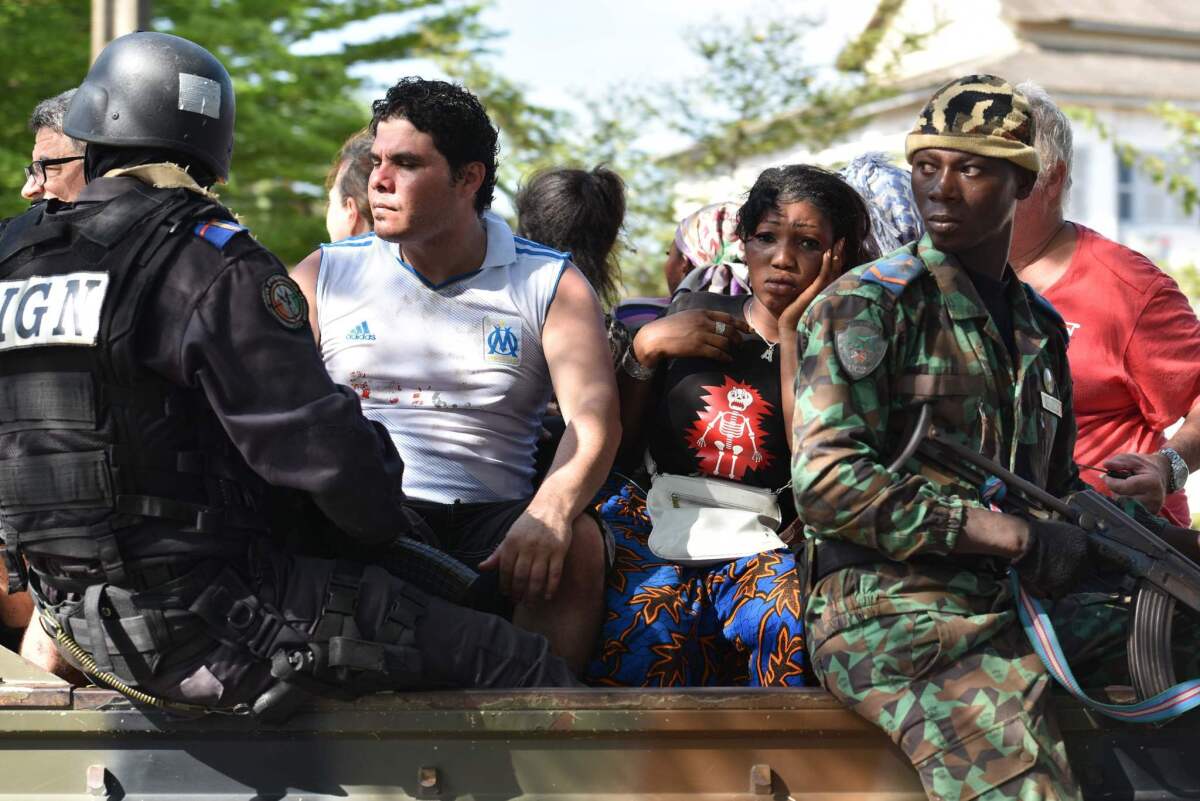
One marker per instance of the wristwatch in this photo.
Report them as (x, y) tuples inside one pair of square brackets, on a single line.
[(1179, 470), (634, 368)]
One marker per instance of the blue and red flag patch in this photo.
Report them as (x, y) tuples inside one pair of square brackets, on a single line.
[(217, 232)]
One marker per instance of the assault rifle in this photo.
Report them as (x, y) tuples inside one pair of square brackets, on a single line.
[(1150, 571)]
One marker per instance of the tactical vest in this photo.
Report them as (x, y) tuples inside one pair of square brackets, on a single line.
[(109, 475)]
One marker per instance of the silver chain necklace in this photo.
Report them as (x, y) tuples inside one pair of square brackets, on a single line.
[(769, 353)]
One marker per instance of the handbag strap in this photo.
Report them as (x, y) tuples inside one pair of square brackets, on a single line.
[(1167, 705), (651, 466), (652, 469)]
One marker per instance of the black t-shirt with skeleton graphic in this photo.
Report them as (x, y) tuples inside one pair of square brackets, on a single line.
[(723, 419)]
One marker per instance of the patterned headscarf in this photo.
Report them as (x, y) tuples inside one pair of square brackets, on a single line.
[(887, 191), (707, 239)]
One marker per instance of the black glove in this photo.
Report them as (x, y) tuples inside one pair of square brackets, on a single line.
[(1058, 557)]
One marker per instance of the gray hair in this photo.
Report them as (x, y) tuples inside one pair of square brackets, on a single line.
[(49, 114), (1053, 139)]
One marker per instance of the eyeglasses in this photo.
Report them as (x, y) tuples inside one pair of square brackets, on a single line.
[(36, 170)]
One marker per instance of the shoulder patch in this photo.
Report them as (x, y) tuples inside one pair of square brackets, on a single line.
[(860, 348), (1036, 300), (284, 301), (894, 272), (218, 232)]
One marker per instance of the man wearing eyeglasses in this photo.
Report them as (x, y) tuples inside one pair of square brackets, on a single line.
[(57, 167), (55, 172)]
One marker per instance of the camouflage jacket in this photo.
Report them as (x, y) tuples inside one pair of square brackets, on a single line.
[(886, 338)]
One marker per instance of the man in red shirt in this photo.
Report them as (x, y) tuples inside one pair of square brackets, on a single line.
[(1135, 340)]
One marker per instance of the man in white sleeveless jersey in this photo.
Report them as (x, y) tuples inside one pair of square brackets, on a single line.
[(455, 334)]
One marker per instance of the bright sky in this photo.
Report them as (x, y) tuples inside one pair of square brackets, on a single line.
[(559, 52)]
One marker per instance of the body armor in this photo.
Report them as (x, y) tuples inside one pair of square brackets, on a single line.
[(113, 482)]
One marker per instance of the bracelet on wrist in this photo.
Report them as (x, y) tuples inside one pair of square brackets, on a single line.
[(635, 369)]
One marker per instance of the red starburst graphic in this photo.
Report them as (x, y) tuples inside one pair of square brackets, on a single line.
[(728, 437)]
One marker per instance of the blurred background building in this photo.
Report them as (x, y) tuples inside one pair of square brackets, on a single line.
[(1110, 63)]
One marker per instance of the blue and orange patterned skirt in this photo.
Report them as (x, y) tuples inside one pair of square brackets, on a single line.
[(731, 624)]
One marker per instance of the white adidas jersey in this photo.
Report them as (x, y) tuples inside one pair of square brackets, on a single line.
[(455, 372)]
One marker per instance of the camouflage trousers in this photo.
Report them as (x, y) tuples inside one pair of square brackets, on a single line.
[(943, 667)]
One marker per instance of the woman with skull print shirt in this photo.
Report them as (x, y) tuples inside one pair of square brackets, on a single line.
[(712, 384)]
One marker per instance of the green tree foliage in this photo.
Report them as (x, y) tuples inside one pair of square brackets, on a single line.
[(294, 107), (609, 132), (46, 53), (755, 95), (297, 104), (531, 137)]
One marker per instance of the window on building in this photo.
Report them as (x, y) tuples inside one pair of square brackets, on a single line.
[(1125, 190), (1142, 201), (1077, 199)]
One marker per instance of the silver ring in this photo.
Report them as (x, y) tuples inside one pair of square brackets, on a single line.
[(720, 326)]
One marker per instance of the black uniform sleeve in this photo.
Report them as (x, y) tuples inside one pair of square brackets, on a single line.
[(210, 327)]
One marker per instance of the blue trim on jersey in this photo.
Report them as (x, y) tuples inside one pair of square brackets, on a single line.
[(553, 255), (429, 284), (554, 291), (360, 241), (538, 246)]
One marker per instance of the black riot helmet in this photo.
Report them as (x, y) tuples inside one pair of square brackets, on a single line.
[(155, 90)]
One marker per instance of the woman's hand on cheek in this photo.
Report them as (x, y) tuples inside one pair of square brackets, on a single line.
[(831, 267), (695, 333)]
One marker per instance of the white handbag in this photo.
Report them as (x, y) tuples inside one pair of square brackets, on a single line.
[(702, 521)]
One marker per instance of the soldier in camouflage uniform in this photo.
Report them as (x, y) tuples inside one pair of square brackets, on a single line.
[(911, 620)]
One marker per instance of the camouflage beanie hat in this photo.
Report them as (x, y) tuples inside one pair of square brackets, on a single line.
[(979, 114)]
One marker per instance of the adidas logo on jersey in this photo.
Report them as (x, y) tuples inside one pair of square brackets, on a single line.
[(360, 333)]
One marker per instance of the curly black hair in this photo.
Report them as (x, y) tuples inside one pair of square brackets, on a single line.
[(579, 211), (454, 118), (825, 190)]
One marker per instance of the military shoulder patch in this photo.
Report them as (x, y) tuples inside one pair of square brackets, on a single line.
[(894, 272), (285, 301), (217, 232), (860, 348)]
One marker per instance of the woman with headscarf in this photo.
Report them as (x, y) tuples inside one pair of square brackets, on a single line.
[(707, 253), (887, 191)]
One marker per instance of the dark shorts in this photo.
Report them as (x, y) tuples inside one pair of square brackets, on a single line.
[(470, 532)]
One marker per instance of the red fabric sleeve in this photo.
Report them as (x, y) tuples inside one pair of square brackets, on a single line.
[(1162, 359)]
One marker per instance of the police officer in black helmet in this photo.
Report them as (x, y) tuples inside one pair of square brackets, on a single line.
[(156, 373)]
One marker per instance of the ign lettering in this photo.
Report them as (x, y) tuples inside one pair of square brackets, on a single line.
[(51, 311)]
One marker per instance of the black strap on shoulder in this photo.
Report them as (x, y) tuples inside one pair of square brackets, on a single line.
[(158, 246), (29, 229), (119, 216)]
